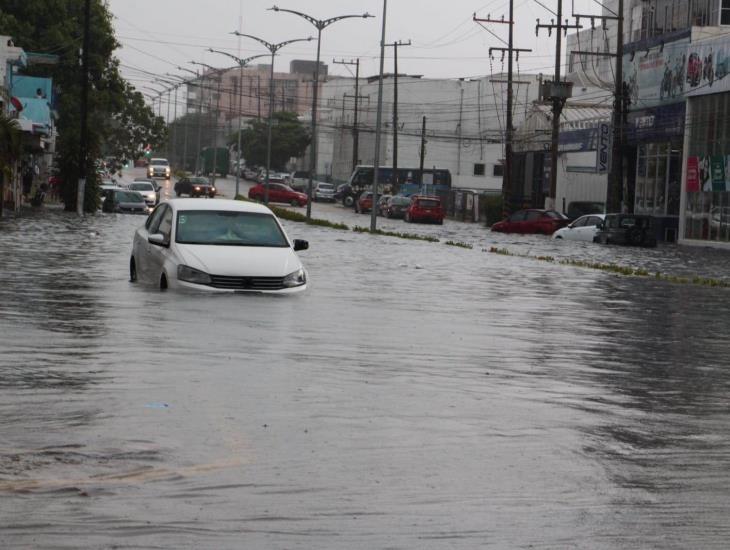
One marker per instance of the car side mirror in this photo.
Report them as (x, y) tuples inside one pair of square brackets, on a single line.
[(158, 239), (300, 244)]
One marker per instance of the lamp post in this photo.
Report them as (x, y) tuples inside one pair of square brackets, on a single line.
[(185, 146), (215, 128), (273, 48), (378, 121), (241, 64), (320, 25)]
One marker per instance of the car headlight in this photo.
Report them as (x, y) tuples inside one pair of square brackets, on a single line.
[(298, 278), (212, 189), (191, 275), (197, 188)]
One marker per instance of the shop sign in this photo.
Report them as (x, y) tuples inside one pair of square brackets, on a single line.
[(693, 175), (708, 66), (717, 167), (603, 150)]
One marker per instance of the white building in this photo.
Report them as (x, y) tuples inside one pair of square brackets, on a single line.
[(464, 125)]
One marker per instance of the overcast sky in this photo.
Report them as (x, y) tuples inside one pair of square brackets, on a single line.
[(158, 35)]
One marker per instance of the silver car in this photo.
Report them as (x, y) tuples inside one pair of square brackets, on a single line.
[(146, 189), (324, 192)]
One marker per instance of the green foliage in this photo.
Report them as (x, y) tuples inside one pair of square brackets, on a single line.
[(119, 122), (492, 206), (459, 244), (183, 138), (289, 138), (411, 236), (620, 269)]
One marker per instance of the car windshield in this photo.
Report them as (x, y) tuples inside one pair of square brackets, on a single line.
[(158, 162), (428, 203), (141, 186), (129, 196), (325, 187), (555, 215), (199, 181), (400, 201), (227, 228)]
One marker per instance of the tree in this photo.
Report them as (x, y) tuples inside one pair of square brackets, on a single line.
[(119, 122), (10, 139), (289, 138)]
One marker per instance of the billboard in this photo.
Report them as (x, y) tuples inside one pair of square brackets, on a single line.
[(657, 75)]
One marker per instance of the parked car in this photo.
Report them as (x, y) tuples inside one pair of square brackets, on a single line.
[(124, 202), (146, 189), (324, 192), (222, 245), (195, 186), (627, 229), (300, 180), (425, 209), (364, 202), (582, 229), (576, 209), (532, 220), (396, 206), (278, 192), (158, 168)]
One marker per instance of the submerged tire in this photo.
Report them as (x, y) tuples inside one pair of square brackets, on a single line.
[(132, 270), (163, 282)]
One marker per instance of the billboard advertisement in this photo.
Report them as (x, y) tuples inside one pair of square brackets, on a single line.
[(657, 75)]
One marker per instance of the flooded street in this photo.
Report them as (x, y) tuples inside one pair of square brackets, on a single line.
[(416, 396)]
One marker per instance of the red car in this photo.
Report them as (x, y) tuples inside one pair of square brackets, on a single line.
[(364, 203), (278, 192), (532, 220), (425, 209)]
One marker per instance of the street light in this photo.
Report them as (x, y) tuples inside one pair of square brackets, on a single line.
[(273, 48), (319, 24), (241, 64), (215, 130)]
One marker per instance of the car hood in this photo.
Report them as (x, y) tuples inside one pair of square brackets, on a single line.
[(254, 261)]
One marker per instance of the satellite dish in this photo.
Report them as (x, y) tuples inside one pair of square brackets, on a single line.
[(16, 103)]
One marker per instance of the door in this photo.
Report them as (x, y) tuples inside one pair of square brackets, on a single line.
[(157, 254)]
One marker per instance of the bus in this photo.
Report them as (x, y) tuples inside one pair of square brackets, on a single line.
[(436, 181)]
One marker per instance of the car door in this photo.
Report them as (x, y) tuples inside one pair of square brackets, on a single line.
[(515, 222), (533, 223), (157, 254), (141, 244), (572, 232), (589, 228)]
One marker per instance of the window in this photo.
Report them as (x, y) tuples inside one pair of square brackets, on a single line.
[(479, 169), (518, 216), (725, 12), (533, 215), (498, 170), (580, 222), (166, 224)]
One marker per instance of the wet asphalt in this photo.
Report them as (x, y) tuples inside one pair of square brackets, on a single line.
[(418, 395)]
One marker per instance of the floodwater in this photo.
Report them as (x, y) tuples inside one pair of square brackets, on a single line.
[(417, 396)]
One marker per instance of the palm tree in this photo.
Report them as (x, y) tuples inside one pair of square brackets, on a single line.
[(10, 150)]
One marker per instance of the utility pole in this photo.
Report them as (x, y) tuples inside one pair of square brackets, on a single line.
[(423, 151), (615, 187), (378, 125), (395, 45), (558, 92), (81, 188), (355, 131), (508, 190)]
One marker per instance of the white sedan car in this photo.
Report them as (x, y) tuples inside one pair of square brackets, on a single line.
[(582, 229), (218, 245)]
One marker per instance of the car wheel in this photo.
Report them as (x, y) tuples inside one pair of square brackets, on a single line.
[(294, 203), (132, 270), (178, 193), (348, 201), (163, 282)]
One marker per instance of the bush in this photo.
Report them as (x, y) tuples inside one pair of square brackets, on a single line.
[(492, 207)]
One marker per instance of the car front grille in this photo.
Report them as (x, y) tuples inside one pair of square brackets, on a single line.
[(246, 283)]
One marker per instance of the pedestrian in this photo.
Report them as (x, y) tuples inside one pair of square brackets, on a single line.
[(27, 175)]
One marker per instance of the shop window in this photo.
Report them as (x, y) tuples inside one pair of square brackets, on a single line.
[(479, 169), (725, 12)]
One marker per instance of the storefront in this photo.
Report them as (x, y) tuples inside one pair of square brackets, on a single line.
[(705, 200), (657, 83)]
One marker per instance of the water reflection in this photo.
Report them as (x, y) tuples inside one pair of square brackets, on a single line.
[(416, 394)]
